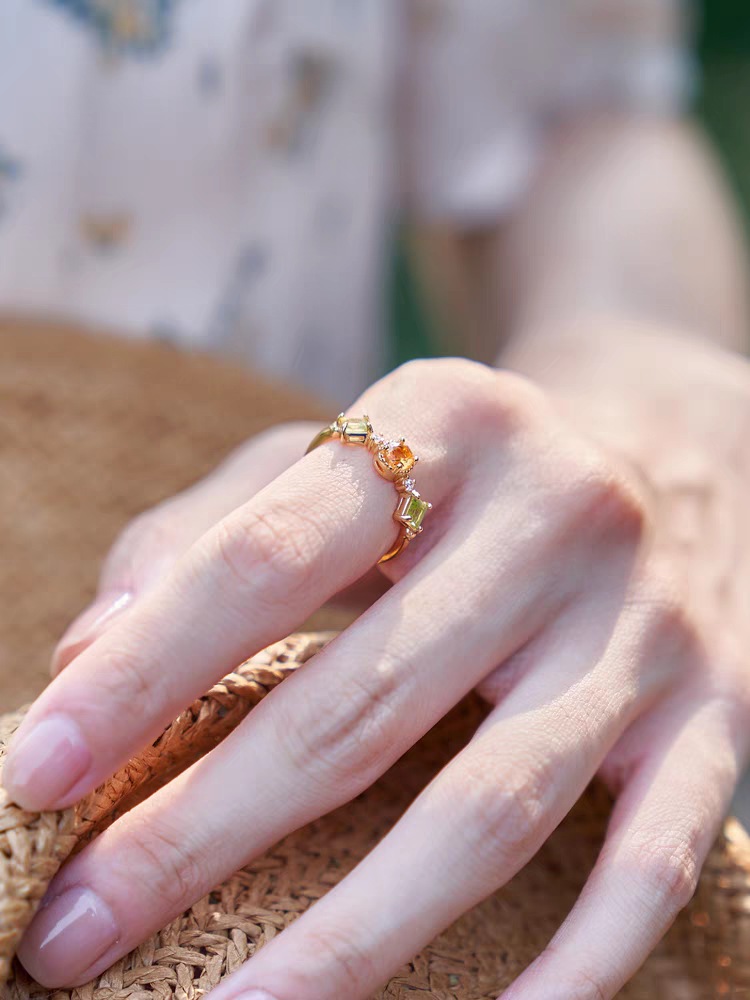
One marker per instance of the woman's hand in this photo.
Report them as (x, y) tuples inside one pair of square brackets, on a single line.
[(585, 565)]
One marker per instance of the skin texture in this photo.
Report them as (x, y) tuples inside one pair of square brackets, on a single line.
[(587, 545)]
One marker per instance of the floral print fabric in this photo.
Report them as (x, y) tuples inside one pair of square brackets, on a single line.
[(225, 173)]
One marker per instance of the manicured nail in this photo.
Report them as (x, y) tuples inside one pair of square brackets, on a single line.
[(66, 937), (46, 763), (87, 626), (254, 995)]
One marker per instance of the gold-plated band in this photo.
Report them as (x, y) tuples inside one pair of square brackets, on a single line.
[(394, 460)]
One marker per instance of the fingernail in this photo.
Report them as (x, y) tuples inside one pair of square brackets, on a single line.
[(254, 995), (87, 626), (66, 937), (46, 763)]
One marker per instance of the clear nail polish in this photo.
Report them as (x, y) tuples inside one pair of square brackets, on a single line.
[(254, 995), (67, 936), (45, 763)]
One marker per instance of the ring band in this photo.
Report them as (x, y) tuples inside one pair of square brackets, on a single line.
[(394, 460)]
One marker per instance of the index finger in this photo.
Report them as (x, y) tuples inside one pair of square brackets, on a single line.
[(247, 582)]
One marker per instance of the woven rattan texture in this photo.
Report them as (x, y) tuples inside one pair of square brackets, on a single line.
[(41, 842), (706, 954), (91, 432)]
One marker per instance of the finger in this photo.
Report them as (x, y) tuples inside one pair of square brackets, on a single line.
[(471, 830), (493, 586), (269, 564), (246, 583), (325, 751), (660, 833), (151, 545)]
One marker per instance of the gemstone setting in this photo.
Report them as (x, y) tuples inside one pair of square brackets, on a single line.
[(354, 430), (411, 511), (395, 459)]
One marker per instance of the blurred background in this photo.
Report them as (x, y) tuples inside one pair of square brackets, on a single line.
[(723, 100), (722, 104)]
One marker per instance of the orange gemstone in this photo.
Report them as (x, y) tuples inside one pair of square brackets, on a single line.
[(399, 457)]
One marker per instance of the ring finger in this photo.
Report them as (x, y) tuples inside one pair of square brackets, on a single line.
[(324, 753), (246, 583)]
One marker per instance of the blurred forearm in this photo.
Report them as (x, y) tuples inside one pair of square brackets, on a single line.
[(628, 220)]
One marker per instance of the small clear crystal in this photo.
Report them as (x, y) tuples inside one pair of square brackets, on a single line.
[(409, 484)]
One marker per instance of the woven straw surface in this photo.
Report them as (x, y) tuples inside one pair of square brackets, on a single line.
[(80, 422)]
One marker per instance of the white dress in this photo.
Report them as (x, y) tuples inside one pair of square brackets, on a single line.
[(226, 173)]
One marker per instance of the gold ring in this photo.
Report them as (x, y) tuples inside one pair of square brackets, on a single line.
[(394, 460)]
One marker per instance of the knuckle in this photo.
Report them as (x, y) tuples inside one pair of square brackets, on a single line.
[(607, 503), (342, 745), (260, 548), (668, 870), (346, 963), (584, 986), (433, 372), (501, 818), (125, 683), (161, 859), (496, 401), (513, 395), (668, 627), (501, 404)]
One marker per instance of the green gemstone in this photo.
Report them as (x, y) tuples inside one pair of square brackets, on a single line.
[(355, 430), (414, 511)]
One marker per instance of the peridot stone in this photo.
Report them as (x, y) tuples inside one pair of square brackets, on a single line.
[(413, 512)]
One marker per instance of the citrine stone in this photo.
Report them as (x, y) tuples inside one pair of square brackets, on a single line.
[(355, 430), (401, 455), (412, 511), (397, 457)]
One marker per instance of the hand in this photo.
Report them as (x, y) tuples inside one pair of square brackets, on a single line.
[(150, 545), (583, 565)]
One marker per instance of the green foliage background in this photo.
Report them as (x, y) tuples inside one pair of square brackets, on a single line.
[(723, 103)]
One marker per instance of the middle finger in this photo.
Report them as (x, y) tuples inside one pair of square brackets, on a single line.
[(325, 751)]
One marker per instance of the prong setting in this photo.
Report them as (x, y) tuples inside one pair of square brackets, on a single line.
[(394, 461)]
